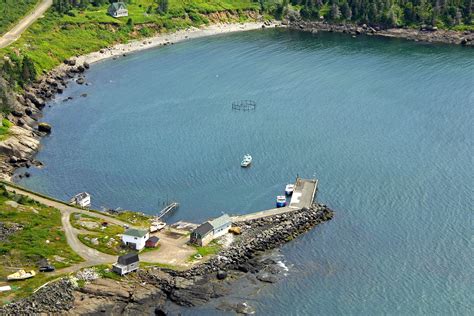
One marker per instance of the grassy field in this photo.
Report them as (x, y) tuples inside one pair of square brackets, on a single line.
[(4, 129), (211, 249), (12, 11), (40, 237), (54, 38)]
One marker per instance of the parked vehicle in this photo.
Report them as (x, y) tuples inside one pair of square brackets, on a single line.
[(48, 268)]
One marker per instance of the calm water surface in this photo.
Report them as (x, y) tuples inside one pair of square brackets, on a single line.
[(386, 125)]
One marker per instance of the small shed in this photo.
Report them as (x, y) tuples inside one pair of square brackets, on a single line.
[(135, 238), (152, 242), (126, 264), (82, 199), (221, 225), (118, 9)]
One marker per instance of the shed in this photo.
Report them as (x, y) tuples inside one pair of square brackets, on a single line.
[(152, 242), (135, 238), (221, 225), (202, 235), (126, 264), (118, 9)]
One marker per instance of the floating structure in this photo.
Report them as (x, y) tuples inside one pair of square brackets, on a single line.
[(289, 189), (21, 275), (126, 264), (135, 238), (281, 201), (82, 199), (246, 161), (244, 105), (210, 230)]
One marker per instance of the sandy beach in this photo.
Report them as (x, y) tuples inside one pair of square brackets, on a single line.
[(170, 38)]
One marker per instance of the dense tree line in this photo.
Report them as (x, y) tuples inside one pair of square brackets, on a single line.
[(389, 12), (64, 6)]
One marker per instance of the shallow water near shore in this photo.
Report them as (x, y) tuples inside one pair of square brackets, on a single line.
[(385, 124)]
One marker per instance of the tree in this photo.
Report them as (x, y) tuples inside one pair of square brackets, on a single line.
[(346, 11), (334, 13), (28, 71), (162, 6)]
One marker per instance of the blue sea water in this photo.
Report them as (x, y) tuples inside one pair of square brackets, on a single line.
[(386, 125)]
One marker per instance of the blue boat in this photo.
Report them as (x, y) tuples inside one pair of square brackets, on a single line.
[(281, 201)]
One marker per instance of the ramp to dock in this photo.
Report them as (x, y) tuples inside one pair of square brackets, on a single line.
[(303, 196)]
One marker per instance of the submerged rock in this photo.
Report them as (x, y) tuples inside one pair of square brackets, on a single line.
[(44, 127)]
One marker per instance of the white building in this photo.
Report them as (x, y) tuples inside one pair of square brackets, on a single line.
[(82, 199), (135, 238), (118, 9)]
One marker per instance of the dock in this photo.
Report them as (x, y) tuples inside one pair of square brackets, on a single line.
[(303, 196), (169, 208)]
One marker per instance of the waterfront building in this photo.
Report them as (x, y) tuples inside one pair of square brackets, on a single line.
[(126, 264), (135, 238), (118, 9), (210, 230), (82, 199)]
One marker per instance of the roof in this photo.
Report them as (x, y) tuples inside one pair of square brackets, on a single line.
[(129, 258), (135, 232), (203, 229), (82, 195), (117, 6), (153, 239), (220, 221)]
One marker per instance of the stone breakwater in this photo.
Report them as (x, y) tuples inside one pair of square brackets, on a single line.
[(424, 34), (154, 287)]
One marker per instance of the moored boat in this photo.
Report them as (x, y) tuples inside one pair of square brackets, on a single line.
[(281, 201), (289, 189), (246, 161), (21, 275)]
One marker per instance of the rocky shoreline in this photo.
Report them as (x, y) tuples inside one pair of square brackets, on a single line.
[(150, 289), (424, 34), (21, 147)]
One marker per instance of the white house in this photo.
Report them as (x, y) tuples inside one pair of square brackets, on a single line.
[(118, 9), (135, 238), (82, 199)]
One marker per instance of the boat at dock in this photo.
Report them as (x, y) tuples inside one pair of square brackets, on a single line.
[(21, 275), (289, 189), (246, 161), (281, 201)]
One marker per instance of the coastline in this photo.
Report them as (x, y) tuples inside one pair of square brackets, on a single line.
[(19, 149)]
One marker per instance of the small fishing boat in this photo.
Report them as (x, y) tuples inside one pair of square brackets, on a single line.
[(21, 275), (246, 161), (289, 189), (281, 201)]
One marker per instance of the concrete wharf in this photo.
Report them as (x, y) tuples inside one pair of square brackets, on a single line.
[(303, 196)]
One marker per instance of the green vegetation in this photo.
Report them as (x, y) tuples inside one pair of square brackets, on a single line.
[(39, 237), (456, 14), (105, 271), (4, 129), (104, 243), (161, 265), (12, 11), (134, 218), (211, 249), (94, 224)]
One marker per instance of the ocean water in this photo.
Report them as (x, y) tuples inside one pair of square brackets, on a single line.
[(386, 125)]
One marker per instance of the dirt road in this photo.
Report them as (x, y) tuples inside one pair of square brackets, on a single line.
[(24, 23)]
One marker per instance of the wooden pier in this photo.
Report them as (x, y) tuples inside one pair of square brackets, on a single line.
[(170, 207), (303, 196)]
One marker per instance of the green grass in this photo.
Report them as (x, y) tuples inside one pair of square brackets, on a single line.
[(105, 271), (110, 230), (146, 265), (11, 11), (54, 38), (114, 248), (26, 247), (4, 129), (211, 249), (134, 218)]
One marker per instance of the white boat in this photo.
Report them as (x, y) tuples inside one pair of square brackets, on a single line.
[(289, 189), (246, 161), (281, 201), (157, 226), (21, 275)]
